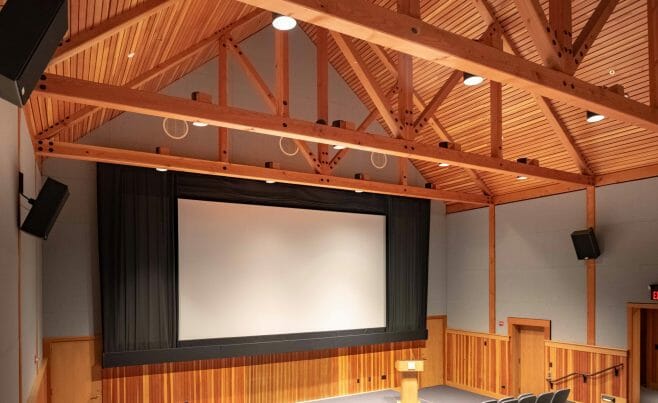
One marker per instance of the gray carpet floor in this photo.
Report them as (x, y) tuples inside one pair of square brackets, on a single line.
[(436, 394), (648, 395)]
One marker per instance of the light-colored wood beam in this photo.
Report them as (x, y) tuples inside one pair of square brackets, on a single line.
[(184, 164), (591, 30), (492, 269), (222, 97), (544, 36), (563, 134), (405, 77), (361, 19), (250, 24), (322, 88), (86, 39), (124, 99), (559, 17), (652, 21), (282, 72), (496, 105), (254, 77), (590, 264), (367, 80), (438, 99)]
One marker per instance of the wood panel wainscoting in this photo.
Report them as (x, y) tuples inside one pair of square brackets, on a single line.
[(565, 358), (477, 362), (286, 377), (39, 392)]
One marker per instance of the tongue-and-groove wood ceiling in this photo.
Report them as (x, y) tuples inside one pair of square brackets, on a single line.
[(619, 55)]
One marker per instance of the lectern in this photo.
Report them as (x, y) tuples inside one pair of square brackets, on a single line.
[(409, 382)]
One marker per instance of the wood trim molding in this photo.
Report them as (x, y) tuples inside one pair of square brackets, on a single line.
[(477, 334), (591, 269), (363, 20), (543, 323), (587, 348), (154, 104), (39, 392), (492, 269)]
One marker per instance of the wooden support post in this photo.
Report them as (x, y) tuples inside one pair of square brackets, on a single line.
[(496, 106), (492, 268), (591, 270), (405, 77), (222, 98), (559, 15), (403, 169), (322, 78), (652, 11), (282, 72)]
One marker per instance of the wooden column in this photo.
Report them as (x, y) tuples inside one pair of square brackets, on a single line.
[(496, 106), (322, 78), (652, 10), (282, 72), (222, 97), (559, 14), (591, 270), (492, 269)]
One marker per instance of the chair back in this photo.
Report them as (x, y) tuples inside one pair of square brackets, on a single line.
[(527, 398), (546, 397), (561, 396)]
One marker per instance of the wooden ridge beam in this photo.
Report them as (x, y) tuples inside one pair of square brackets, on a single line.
[(368, 81), (542, 33), (363, 20), (591, 30), (163, 67), (154, 104), (192, 165), (107, 28)]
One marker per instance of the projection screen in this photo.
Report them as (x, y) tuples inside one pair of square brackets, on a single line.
[(252, 270)]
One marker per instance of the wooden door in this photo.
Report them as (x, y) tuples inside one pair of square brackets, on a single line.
[(433, 353), (530, 363), (74, 370)]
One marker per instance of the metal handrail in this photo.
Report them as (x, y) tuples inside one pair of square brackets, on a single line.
[(585, 376)]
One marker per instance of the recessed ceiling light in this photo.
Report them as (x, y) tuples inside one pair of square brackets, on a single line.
[(593, 117), (521, 177), (339, 147), (283, 22), (358, 191), (612, 72), (472, 79), (443, 164), (199, 124), (161, 169), (270, 181), (131, 55)]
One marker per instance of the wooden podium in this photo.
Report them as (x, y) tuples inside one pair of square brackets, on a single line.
[(409, 382)]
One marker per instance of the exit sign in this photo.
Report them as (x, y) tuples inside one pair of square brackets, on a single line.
[(654, 292)]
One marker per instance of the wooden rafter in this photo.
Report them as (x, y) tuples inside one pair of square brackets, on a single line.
[(432, 121), (154, 104), (543, 35), (496, 105), (437, 100), (591, 30), (361, 19), (183, 164), (254, 77), (367, 80), (107, 28), (544, 104)]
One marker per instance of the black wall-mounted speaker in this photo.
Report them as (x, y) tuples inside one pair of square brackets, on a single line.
[(30, 31), (46, 208), (585, 244)]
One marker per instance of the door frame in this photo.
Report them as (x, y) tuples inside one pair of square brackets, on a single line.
[(634, 347), (513, 325)]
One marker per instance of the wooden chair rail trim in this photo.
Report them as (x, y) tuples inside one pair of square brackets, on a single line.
[(477, 334), (587, 348)]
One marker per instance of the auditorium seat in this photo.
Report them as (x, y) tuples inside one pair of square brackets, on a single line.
[(527, 398), (561, 396), (546, 397)]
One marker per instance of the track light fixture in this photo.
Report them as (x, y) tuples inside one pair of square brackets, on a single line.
[(283, 22), (472, 79), (593, 117)]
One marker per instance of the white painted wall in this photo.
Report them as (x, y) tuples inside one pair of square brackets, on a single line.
[(537, 273), (20, 257), (71, 279)]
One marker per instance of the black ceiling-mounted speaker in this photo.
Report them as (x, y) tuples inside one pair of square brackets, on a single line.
[(46, 208), (585, 244), (30, 31)]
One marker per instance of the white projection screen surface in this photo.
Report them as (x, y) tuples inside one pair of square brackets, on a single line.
[(252, 270)]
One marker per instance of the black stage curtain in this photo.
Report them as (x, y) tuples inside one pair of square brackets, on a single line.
[(137, 237), (138, 241)]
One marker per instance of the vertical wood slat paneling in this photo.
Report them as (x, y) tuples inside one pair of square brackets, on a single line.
[(286, 377), (563, 359), (477, 362), (650, 348)]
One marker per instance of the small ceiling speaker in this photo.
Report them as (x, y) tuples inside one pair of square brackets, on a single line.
[(585, 244), (30, 31)]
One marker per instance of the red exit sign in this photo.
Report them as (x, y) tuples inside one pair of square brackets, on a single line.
[(654, 292)]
